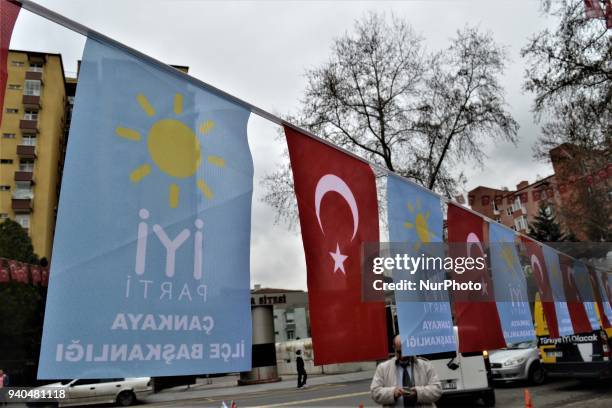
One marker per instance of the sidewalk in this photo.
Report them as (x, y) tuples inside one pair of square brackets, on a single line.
[(227, 386)]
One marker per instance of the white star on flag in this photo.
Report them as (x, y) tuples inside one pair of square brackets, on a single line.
[(484, 289), (338, 259)]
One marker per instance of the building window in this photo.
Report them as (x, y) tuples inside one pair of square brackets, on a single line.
[(23, 220), (30, 115), (36, 67), (520, 223), (8, 135), (26, 165), (11, 110), (5, 188), (509, 211), (28, 140), (6, 161), (14, 86), (290, 335), (495, 208), (23, 190), (32, 87), (17, 63)]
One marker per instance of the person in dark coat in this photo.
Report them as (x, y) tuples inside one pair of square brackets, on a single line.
[(299, 363)]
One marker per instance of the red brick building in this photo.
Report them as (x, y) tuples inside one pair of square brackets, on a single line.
[(575, 174)]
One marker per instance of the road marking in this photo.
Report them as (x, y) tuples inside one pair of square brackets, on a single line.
[(284, 404), (281, 392)]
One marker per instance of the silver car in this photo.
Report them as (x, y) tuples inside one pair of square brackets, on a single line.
[(120, 391), (519, 361)]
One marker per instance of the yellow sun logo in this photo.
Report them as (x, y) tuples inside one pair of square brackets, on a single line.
[(419, 223), (173, 147), (507, 255)]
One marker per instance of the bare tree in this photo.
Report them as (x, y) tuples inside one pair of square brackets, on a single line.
[(385, 97), (570, 74)]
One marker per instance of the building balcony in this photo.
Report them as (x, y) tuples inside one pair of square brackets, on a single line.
[(34, 75), (31, 101), (26, 151), (24, 176), (30, 125), (22, 205)]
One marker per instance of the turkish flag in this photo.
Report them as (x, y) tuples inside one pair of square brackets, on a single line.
[(8, 15), (578, 314), (475, 311), (536, 259), (336, 196)]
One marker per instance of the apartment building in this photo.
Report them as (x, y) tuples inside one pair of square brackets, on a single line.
[(31, 139)]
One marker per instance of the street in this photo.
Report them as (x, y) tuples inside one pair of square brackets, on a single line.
[(555, 393)]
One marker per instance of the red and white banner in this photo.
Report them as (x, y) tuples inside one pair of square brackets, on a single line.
[(8, 15), (338, 210), (477, 318), (540, 273), (575, 305)]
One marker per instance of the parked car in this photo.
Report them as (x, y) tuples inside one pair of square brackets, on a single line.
[(122, 391), (519, 361), (464, 375)]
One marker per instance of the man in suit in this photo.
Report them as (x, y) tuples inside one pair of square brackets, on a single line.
[(405, 381)]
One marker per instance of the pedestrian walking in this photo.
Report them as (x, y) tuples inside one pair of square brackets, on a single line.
[(4, 382), (299, 363)]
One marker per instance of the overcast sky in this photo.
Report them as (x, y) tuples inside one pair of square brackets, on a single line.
[(258, 51)]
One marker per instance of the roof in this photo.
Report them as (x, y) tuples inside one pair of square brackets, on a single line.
[(263, 291)]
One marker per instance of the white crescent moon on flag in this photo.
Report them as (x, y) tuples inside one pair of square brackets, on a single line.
[(472, 239), (535, 261), (330, 182)]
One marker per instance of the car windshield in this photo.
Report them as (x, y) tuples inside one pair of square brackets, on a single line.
[(522, 345)]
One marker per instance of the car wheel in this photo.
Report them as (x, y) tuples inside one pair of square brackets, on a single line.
[(537, 375), (489, 398), (126, 398)]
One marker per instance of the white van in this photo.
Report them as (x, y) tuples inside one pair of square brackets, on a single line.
[(464, 374)]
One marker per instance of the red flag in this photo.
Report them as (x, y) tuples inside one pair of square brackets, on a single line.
[(593, 9), (338, 209), (475, 313), (44, 277), (5, 277), (8, 16), (580, 319), (36, 277), (536, 259)]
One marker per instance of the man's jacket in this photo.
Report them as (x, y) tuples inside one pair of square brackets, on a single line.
[(426, 383)]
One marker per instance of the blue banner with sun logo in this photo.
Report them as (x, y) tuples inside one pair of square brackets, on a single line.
[(150, 267), (415, 229), (510, 286)]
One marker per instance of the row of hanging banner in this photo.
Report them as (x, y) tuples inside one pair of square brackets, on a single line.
[(546, 191), (151, 256), (21, 272)]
